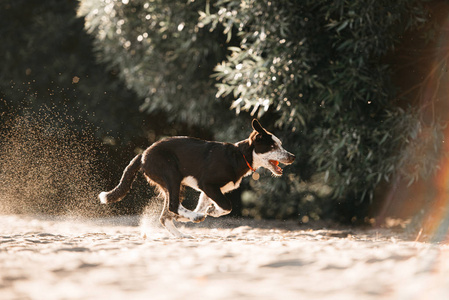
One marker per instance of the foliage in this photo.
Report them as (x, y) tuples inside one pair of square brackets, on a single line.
[(162, 54), (314, 68)]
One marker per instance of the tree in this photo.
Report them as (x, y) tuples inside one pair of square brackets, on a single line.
[(314, 68), (163, 55)]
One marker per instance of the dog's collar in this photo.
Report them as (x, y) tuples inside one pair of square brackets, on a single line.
[(247, 163)]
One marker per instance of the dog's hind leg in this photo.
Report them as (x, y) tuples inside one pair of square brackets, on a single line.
[(182, 214), (166, 220)]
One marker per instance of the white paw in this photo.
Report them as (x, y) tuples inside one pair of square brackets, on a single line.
[(179, 218), (216, 211), (188, 215), (199, 218)]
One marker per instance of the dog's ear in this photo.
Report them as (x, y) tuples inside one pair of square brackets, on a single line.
[(252, 137), (257, 127)]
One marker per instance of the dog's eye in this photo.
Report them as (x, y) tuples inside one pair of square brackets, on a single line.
[(272, 146)]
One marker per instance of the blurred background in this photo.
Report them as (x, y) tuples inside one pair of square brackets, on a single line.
[(358, 90)]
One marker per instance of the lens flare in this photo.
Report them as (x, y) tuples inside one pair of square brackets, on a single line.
[(436, 222), (435, 226), (426, 202)]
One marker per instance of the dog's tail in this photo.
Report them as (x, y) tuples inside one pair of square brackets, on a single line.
[(120, 191)]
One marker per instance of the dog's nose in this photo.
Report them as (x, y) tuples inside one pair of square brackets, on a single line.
[(291, 157)]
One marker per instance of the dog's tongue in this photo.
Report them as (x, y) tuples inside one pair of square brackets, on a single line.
[(275, 163)]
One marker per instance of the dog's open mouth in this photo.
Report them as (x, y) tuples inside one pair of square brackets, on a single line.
[(275, 164)]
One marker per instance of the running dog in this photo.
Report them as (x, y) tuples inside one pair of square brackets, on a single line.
[(213, 168)]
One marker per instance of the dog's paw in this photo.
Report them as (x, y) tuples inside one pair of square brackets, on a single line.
[(216, 212), (210, 210), (179, 218), (199, 218), (213, 211)]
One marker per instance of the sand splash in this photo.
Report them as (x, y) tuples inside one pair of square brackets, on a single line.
[(48, 167)]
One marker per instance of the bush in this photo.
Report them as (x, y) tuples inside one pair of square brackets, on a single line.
[(313, 68), (163, 55), (316, 69)]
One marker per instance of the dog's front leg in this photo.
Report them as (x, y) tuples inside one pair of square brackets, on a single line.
[(166, 220), (221, 205), (203, 204)]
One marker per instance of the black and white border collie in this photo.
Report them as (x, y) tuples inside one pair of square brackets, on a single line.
[(213, 168)]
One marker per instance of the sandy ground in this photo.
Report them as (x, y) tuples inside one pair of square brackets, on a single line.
[(44, 258)]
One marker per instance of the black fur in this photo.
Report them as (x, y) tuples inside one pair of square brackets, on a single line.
[(212, 164)]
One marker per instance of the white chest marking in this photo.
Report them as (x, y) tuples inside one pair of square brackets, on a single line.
[(230, 186), (190, 181)]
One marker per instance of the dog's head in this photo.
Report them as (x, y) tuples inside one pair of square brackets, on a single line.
[(268, 151)]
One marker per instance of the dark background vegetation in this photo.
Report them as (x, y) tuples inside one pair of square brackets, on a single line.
[(335, 80)]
